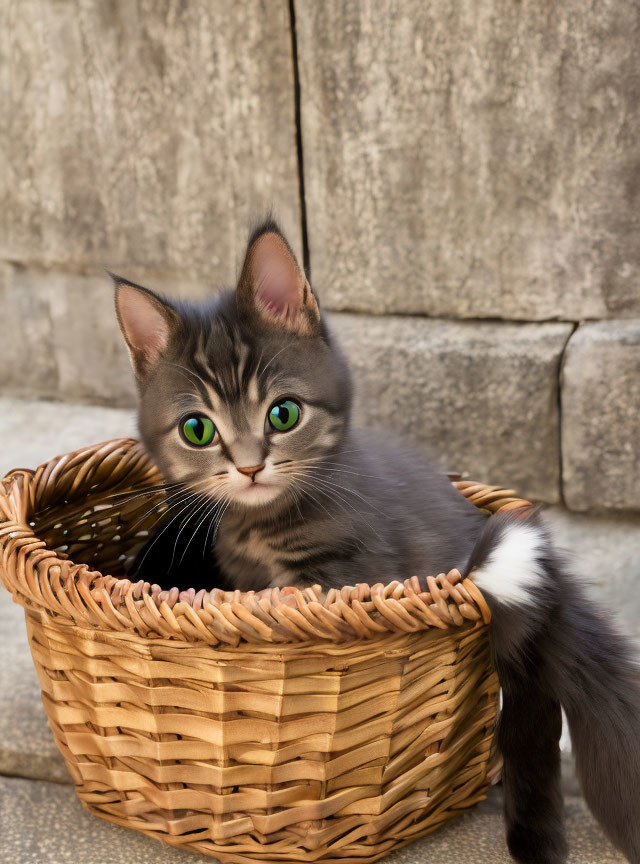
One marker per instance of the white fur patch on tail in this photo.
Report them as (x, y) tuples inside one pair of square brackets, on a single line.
[(513, 570)]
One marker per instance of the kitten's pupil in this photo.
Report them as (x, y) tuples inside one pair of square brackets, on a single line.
[(197, 427)]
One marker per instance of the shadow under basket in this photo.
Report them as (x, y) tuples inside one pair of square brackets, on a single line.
[(285, 725)]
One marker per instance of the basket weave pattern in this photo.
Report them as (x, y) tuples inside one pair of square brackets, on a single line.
[(284, 725)]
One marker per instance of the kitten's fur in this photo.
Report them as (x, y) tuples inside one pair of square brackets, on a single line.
[(324, 503)]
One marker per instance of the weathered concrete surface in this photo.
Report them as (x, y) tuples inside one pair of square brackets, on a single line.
[(43, 823), (145, 134), (477, 159), (480, 397), (32, 431), (27, 748), (601, 417), (59, 337), (604, 552)]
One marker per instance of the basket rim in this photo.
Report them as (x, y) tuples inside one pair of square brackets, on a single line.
[(50, 584)]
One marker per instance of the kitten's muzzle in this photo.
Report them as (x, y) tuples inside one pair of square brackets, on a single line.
[(251, 471)]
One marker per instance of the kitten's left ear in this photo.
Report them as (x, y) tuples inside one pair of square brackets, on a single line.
[(273, 285), (147, 323)]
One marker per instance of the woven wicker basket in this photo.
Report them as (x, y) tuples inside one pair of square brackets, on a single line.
[(281, 726)]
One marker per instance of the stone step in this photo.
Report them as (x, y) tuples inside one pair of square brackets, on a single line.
[(27, 748), (33, 430), (604, 554), (44, 823)]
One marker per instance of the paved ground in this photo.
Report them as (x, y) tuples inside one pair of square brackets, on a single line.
[(32, 431), (41, 822)]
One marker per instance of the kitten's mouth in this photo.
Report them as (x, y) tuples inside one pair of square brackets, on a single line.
[(257, 493), (252, 487)]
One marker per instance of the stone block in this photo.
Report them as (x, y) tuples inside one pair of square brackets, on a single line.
[(144, 134), (604, 554), (601, 417), (481, 397), (26, 350), (59, 336), (477, 159)]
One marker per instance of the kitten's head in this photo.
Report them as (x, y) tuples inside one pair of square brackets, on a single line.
[(239, 397)]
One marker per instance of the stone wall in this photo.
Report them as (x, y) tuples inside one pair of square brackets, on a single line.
[(463, 181)]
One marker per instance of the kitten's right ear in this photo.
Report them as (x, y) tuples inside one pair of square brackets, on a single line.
[(273, 286), (146, 321)]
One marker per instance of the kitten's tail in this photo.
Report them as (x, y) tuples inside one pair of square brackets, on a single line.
[(552, 647)]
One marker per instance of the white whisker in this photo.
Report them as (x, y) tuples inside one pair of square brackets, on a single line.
[(207, 513), (277, 354), (331, 493), (184, 489), (195, 506), (170, 522)]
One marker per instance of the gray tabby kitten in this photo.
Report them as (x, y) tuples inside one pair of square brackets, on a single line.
[(245, 407)]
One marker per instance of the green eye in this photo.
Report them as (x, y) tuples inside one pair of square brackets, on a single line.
[(284, 415), (198, 430)]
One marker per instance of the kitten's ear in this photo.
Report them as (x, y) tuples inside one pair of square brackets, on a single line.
[(273, 285), (146, 321)]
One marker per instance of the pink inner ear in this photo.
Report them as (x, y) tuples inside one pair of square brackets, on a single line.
[(276, 277), (145, 326)]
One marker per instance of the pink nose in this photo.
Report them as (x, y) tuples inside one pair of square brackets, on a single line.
[(251, 471)]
